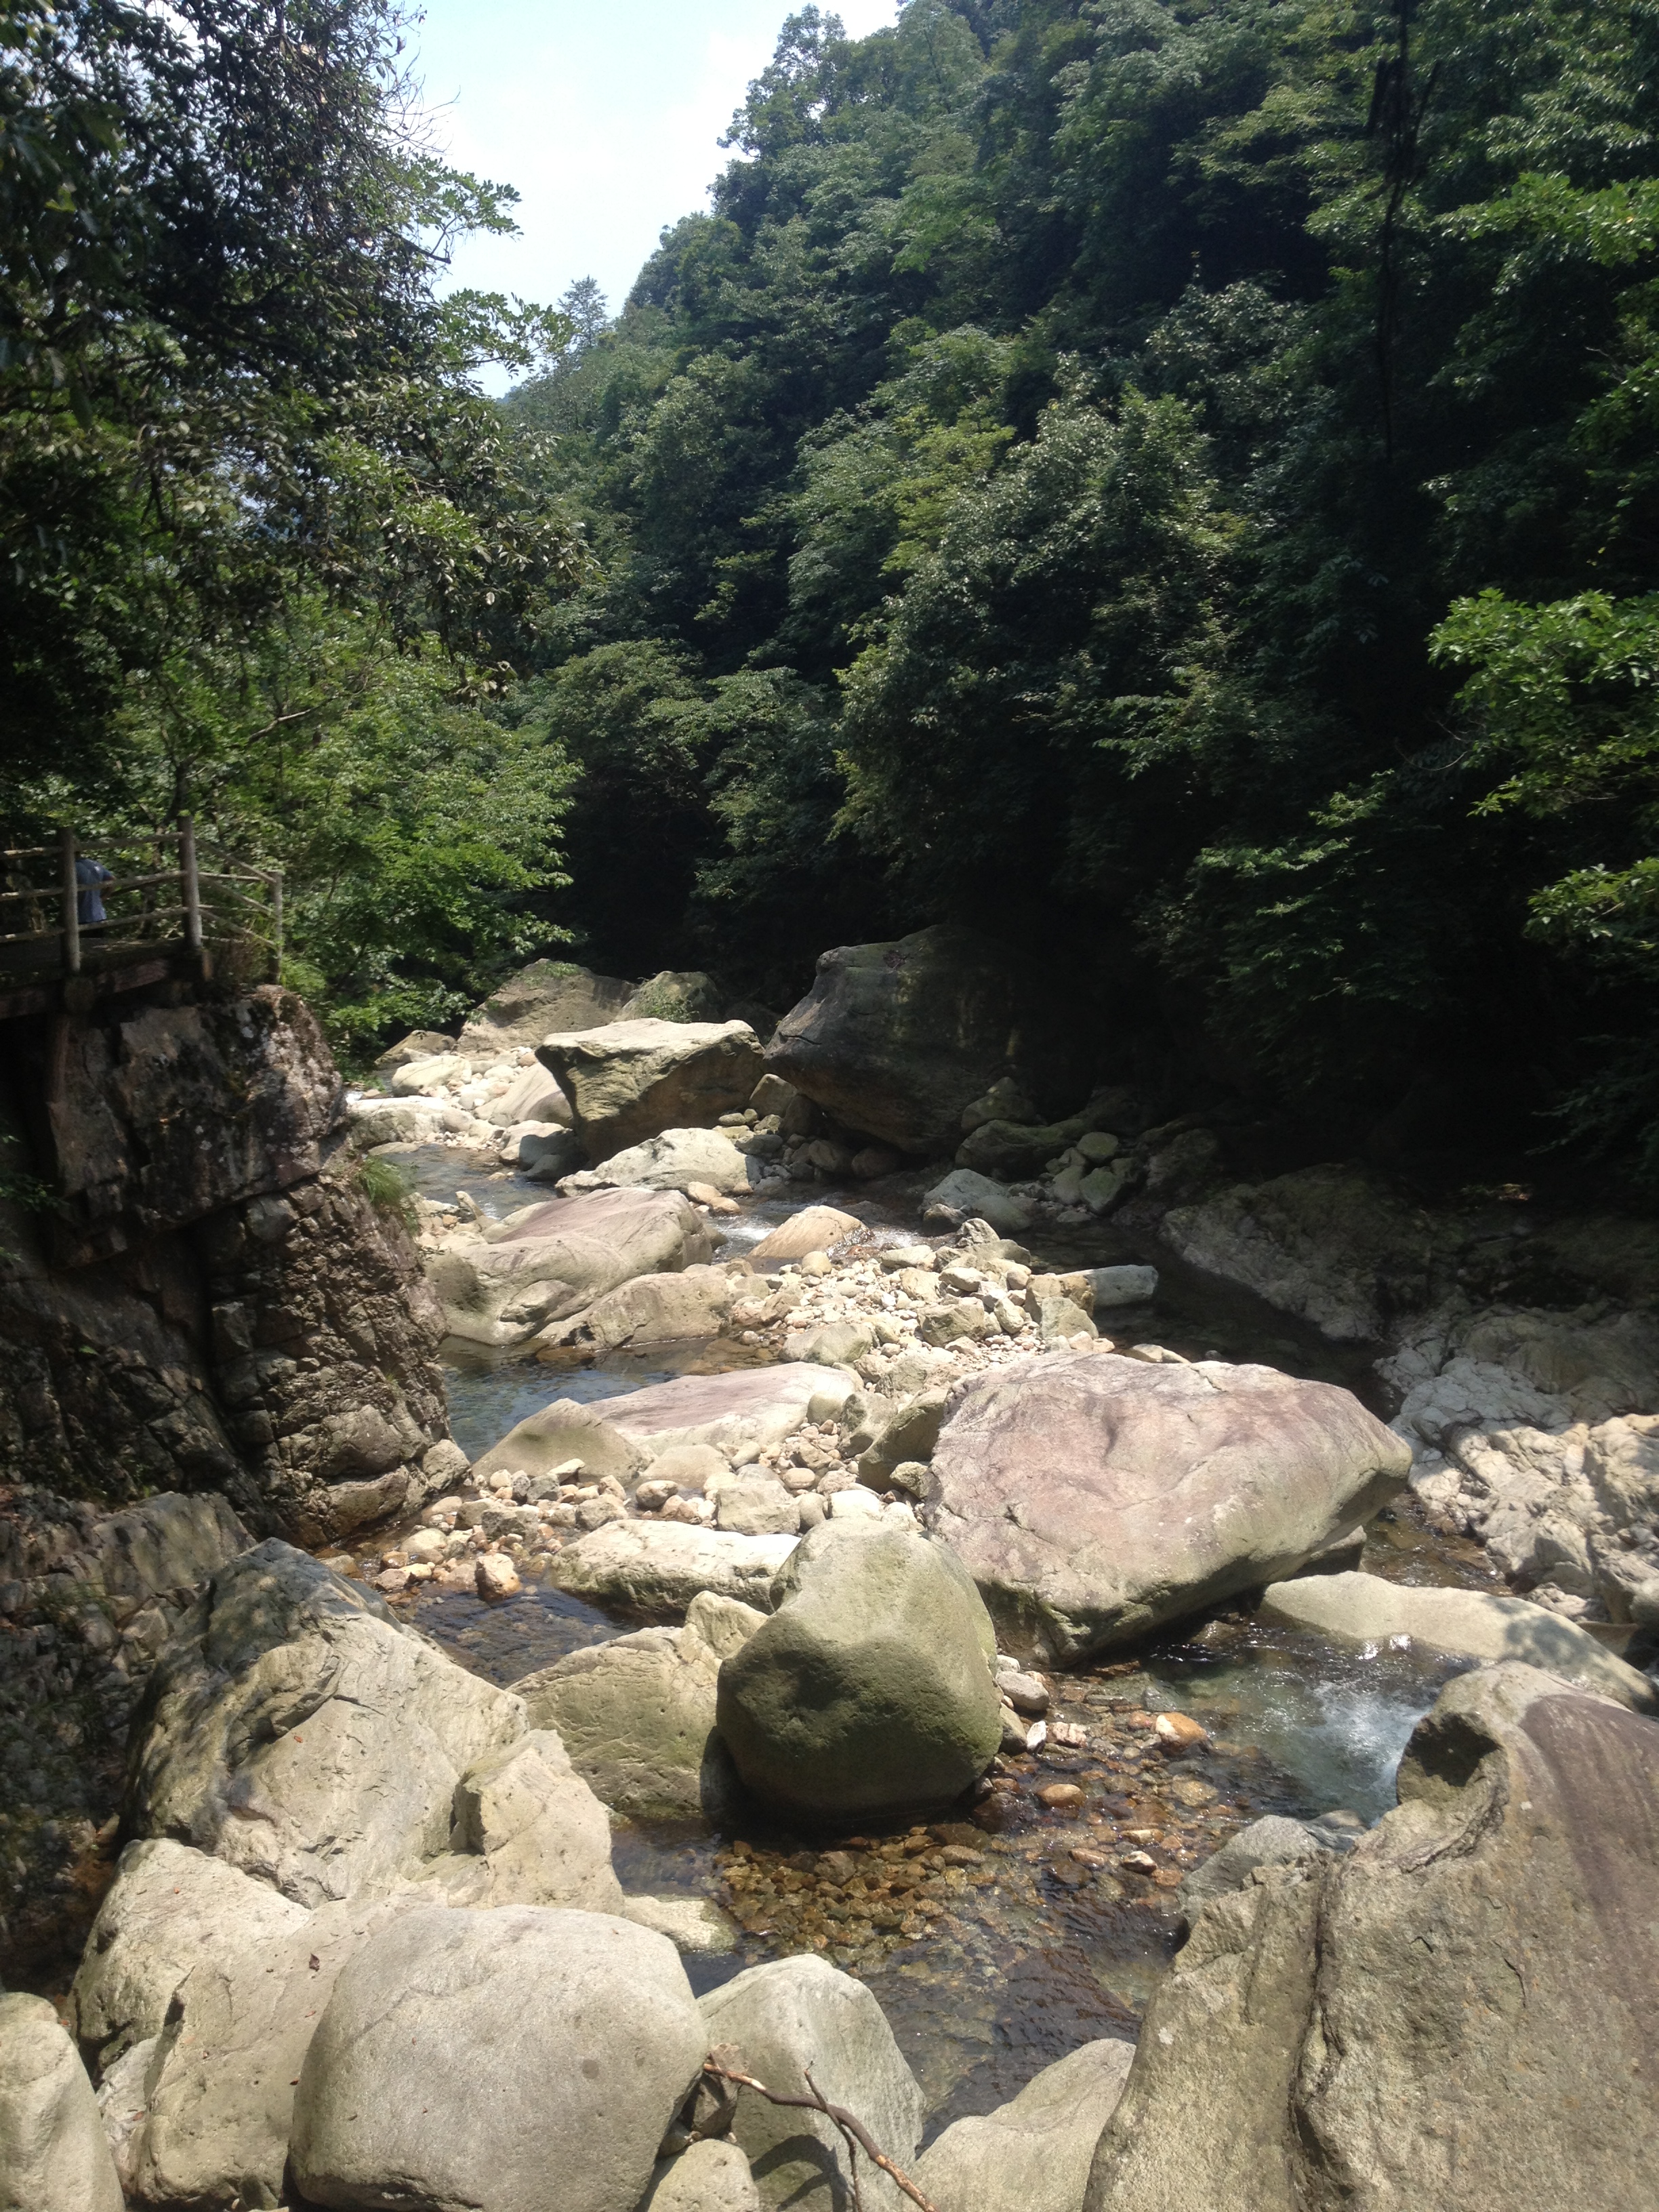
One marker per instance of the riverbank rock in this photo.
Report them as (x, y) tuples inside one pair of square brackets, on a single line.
[(1483, 1960), (684, 994), (526, 1829), (869, 1690), (546, 996), (294, 1729), (550, 1261), (632, 1079), (674, 1160), (636, 1714), (801, 2013), (566, 1428), (53, 2154), (1483, 1624), (660, 1566), (894, 1039), (1033, 2153), (501, 2060), (1093, 1497), (1271, 1841)]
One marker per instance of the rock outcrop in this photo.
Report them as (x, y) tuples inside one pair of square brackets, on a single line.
[(1092, 1498), (503, 2060), (894, 1039), (630, 1080), (1483, 1962), (869, 1690)]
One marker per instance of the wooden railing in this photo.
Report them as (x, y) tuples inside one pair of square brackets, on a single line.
[(164, 890)]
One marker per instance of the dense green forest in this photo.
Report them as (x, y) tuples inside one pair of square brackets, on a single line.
[(1171, 481)]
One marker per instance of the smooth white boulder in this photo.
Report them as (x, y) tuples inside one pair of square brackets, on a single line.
[(53, 2154), (1485, 1625), (661, 1565), (509, 2061)]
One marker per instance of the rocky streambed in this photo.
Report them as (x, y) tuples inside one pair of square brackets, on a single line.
[(1000, 1939)]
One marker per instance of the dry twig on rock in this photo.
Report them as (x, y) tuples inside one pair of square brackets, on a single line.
[(852, 2128)]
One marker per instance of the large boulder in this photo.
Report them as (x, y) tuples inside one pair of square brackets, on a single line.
[(503, 2061), (1467, 1624), (630, 1080), (1032, 2154), (896, 1039), (170, 1909), (674, 1159), (550, 1261), (963, 1191), (1093, 1497), (653, 1310), (548, 995), (814, 1229), (1458, 2012), (797, 2015), (636, 1714), (869, 1690), (294, 1729), (527, 1830), (676, 994), (533, 1096), (660, 1566), (736, 1413), (749, 1407), (170, 1542), (53, 2154), (217, 2086)]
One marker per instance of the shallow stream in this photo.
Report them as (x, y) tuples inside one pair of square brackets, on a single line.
[(996, 1946)]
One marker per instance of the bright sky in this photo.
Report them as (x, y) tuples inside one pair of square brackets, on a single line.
[(603, 113)]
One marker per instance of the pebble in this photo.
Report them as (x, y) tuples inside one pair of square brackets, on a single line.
[(494, 1576), (1179, 1733), (1060, 1796)]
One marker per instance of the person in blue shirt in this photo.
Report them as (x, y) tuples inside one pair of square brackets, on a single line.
[(90, 875)]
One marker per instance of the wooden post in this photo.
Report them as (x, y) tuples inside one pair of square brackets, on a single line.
[(192, 882), (71, 898)]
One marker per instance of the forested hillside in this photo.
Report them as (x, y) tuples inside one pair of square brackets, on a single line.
[(1172, 484), (1174, 481)]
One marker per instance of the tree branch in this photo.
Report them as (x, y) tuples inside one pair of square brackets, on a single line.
[(842, 2117)]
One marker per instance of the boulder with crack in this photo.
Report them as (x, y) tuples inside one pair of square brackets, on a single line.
[(630, 1080), (1093, 1497), (1458, 2012), (293, 1729)]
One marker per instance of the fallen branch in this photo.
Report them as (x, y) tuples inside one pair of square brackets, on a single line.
[(851, 2127)]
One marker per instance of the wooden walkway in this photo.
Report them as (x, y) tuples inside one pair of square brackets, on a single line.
[(168, 902)]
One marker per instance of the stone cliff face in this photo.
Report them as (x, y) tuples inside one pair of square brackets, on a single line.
[(210, 1301)]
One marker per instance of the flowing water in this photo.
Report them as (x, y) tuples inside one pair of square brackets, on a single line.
[(997, 1946)]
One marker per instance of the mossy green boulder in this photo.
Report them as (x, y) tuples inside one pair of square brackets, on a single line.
[(869, 1690)]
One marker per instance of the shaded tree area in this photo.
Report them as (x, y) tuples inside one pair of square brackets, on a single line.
[(267, 556), (1170, 479)]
